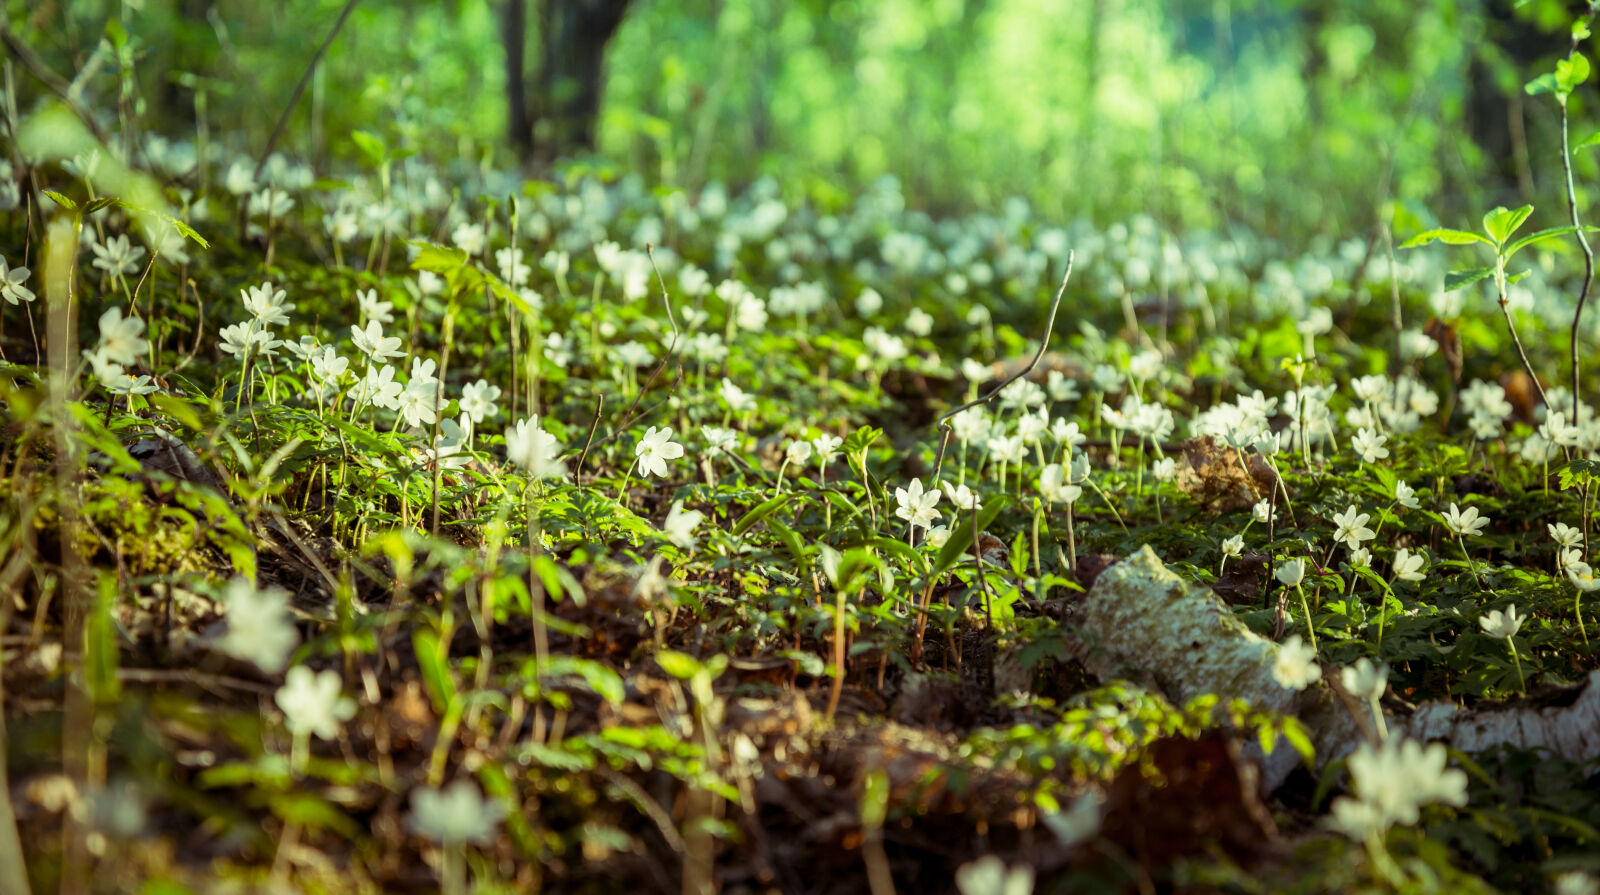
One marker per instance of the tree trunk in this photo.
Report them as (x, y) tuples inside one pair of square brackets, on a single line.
[(555, 111), (515, 32)]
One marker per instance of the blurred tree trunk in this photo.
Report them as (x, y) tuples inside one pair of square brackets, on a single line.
[(554, 110)]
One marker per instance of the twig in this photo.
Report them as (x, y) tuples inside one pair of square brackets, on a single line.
[(294, 100), (1049, 327), (52, 81), (593, 424)]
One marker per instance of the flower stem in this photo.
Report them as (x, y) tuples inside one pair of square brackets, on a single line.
[(1522, 683), (1310, 628)]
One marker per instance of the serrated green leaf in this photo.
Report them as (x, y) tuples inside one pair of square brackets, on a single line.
[(61, 200), (438, 259), (1460, 279), (95, 205), (1501, 222)]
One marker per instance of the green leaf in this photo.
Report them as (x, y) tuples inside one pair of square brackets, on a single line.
[(1441, 234), (1460, 279), (961, 534), (762, 511), (1591, 140), (1571, 72), (435, 666), (97, 204), (792, 541), (438, 259), (680, 665), (371, 146), (1545, 83), (61, 200), (1542, 235), (1501, 222)]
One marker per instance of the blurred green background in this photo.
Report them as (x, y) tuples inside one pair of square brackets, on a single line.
[(1291, 117)]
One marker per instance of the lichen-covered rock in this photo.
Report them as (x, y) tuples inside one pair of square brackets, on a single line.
[(1144, 623)]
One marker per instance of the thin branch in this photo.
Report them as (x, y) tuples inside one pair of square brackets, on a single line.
[(294, 99), (1044, 343), (52, 81)]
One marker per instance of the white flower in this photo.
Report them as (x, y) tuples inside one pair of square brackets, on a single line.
[(327, 365), (655, 449), (240, 178), (962, 497), (119, 383), (1466, 523), (1079, 823), (379, 388), (827, 447), (265, 303), (1576, 882), (1351, 528), (117, 256), (1295, 665), (371, 342), (1370, 445), (1052, 484), (737, 399), (937, 536), (512, 268), (455, 815), (1007, 448), (680, 524), (919, 322), (988, 876), (1164, 469), (419, 403), (798, 451), (1291, 572), (1360, 558), (314, 703), (11, 280), (1408, 565), (1503, 625), (720, 439), (1261, 512), (239, 339), (969, 424), (121, 339), (1392, 782), (468, 238), (1060, 387), (477, 400), (372, 308), (1233, 547), (1564, 535), (632, 354), (869, 302), (915, 505), (1582, 577), (1365, 680), (1068, 434), (1405, 495), (534, 449), (259, 629)]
